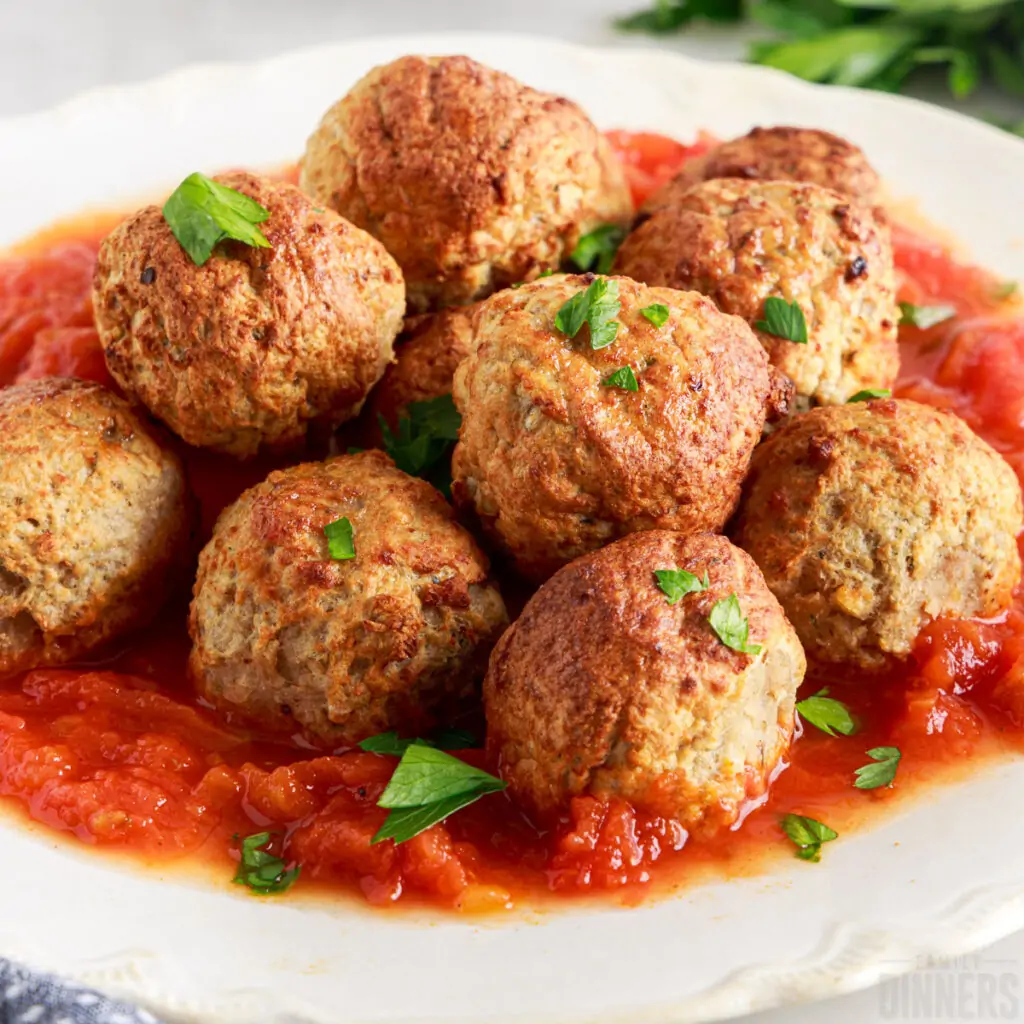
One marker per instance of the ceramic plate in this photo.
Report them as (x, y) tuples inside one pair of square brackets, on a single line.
[(928, 880)]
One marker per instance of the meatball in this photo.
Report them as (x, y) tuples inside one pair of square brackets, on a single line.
[(256, 346), (554, 462), (472, 180), (340, 649), (603, 686), (426, 360), (870, 520), (779, 154), (95, 521), (743, 242)]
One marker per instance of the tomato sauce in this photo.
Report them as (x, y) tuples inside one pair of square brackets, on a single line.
[(120, 755)]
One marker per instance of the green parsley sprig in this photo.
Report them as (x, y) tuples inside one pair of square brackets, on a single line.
[(675, 584), (869, 395), (340, 540), (827, 714), (656, 313), (391, 743), (882, 771), (422, 443), (624, 378), (201, 212), (598, 305), (784, 320), (263, 872), (924, 317), (731, 625), (596, 250), (808, 834)]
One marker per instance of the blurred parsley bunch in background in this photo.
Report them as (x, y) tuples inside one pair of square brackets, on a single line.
[(875, 44)]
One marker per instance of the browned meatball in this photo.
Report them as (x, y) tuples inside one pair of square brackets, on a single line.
[(472, 180), (292, 639), (602, 686), (256, 346), (870, 520), (433, 347), (95, 521), (744, 242), (555, 463), (779, 153)]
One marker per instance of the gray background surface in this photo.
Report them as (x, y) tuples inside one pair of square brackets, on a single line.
[(53, 49)]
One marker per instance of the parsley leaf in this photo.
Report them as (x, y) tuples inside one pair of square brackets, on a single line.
[(868, 394), (924, 317), (201, 213), (422, 443), (731, 626), (784, 320), (426, 787), (808, 834), (882, 772), (827, 714), (339, 539), (656, 313), (598, 247), (671, 15), (262, 871), (624, 378), (675, 584), (597, 306), (1005, 290), (390, 742)]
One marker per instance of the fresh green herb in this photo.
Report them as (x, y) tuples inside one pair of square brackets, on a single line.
[(624, 378), (391, 743), (598, 247), (1005, 290), (731, 626), (675, 584), (671, 15), (868, 394), (656, 313), (201, 213), (597, 305), (260, 870), (784, 320), (882, 772), (426, 787), (339, 539), (827, 714), (808, 834), (421, 446), (924, 316)]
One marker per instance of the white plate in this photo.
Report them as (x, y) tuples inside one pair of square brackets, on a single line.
[(944, 877)]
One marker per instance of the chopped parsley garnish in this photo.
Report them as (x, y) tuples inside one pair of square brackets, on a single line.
[(808, 834), (784, 320), (675, 584), (924, 317), (883, 769), (422, 444), (827, 714), (339, 539), (731, 626), (656, 313), (201, 213), (426, 787), (1005, 290), (868, 394), (598, 247), (624, 378), (597, 305), (391, 743), (261, 871)]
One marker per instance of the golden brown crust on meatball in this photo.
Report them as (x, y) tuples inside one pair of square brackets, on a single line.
[(741, 242), (554, 464), (780, 153), (472, 180), (95, 521), (601, 686), (425, 363), (257, 345), (292, 639), (870, 520)]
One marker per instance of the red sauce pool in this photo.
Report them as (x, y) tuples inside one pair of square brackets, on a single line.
[(119, 755)]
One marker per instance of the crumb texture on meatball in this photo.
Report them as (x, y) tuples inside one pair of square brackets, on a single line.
[(95, 521), (472, 180), (554, 463), (294, 640), (870, 520), (742, 242), (603, 687), (779, 153), (256, 346)]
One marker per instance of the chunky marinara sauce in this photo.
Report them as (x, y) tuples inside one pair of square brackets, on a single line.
[(119, 754)]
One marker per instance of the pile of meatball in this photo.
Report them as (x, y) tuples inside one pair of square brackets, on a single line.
[(422, 255)]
